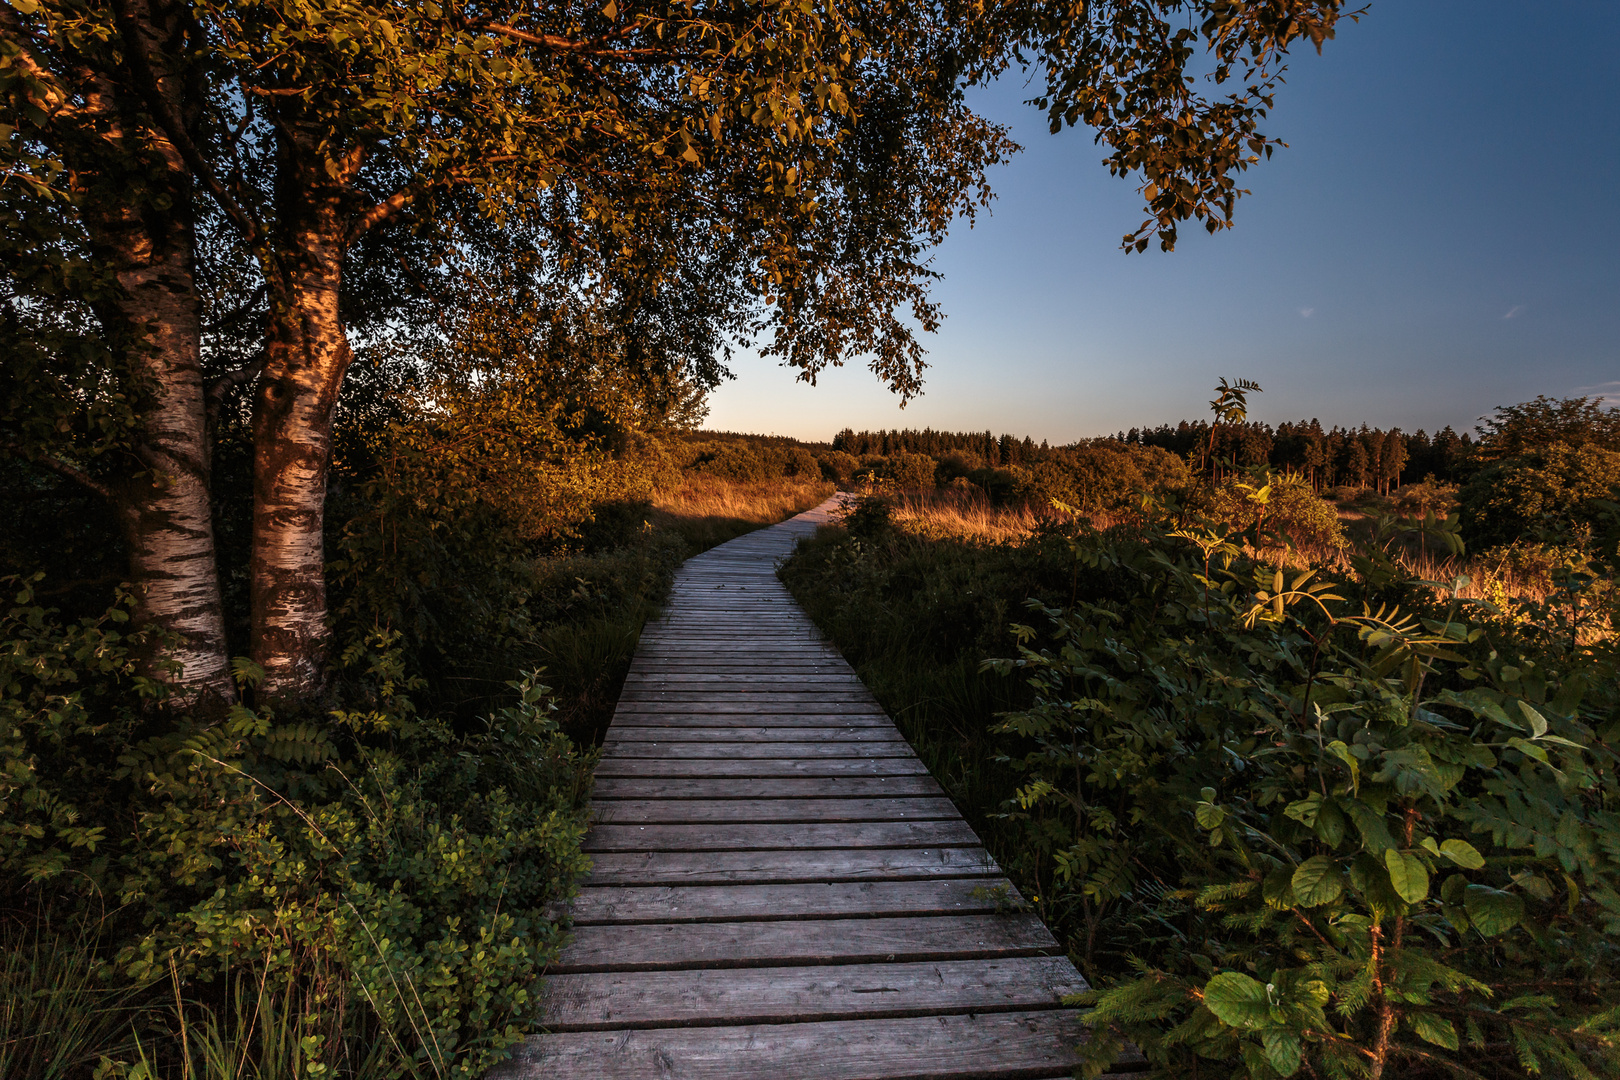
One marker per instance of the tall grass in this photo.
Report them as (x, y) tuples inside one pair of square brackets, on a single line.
[(708, 510), (58, 1013)]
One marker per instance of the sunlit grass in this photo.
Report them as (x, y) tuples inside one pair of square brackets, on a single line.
[(707, 510)]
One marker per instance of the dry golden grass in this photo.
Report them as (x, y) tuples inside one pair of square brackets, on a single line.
[(707, 510), (951, 513)]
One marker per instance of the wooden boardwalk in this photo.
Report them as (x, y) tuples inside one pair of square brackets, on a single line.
[(780, 889)]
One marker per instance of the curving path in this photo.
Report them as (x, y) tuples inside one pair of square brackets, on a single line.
[(780, 889)]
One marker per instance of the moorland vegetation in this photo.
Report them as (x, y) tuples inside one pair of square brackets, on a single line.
[(1319, 786)]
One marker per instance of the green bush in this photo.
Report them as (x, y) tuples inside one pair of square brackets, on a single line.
[(1282, 833), (838, 466), (1336, 839), (1285, 505), (373, 854), (908, 472), (1092, 477), (1552, 490)]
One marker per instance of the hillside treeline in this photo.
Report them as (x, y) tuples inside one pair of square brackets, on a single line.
[(1357, 457)]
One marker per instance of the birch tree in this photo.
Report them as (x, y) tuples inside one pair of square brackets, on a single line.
[(806, 155)]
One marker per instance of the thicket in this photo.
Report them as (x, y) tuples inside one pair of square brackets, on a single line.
[(1288, 822)]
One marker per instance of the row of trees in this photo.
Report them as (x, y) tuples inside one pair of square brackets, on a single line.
[(207, 195), (1361, 457), (983, 447)]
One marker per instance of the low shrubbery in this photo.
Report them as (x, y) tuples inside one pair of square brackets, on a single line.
[(387, 870), (1283, 826)]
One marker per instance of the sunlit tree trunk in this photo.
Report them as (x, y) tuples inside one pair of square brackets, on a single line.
[(306, 356), (147, 240), (164, 506)]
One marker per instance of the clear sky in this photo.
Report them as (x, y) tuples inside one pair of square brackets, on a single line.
[(1441, 236)]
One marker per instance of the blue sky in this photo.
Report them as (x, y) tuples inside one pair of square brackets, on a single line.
[(1441, 236)]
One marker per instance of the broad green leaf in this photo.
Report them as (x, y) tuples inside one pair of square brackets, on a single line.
[(1318, 881), (1492, 910), (1278, 890), (1237, 1000), (1330, 823), (1282, 1051), (1434, 1029), (1463, 854), (1407, 874), (1339, 750), (1529, 749), (1304, 811), (1538, 723)]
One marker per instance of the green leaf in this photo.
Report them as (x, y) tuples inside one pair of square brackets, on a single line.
[(1277, 889), (1538, 723), (1282, 1051), (1407, 874), (1209, 816), (1339, 750), (1318, 881), (1433, 1029), (1492, 910), (1330, 823), (1237, 1000), (1304, 811), (1463, 854)]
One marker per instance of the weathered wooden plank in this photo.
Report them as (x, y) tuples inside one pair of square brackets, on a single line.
[(734, 665), (838, 899), (776, 721), (785, 867), (1020, 1044), (657, 676), (729, 711), (762, 788), (775, 995), (627, 732), (743, 695), (673, 946), (698, 811), (678, 750), (886, 766), (768, 837)]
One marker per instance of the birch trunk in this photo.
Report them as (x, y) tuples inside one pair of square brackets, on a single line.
[(149, 242), (165, 508), (306, 356)]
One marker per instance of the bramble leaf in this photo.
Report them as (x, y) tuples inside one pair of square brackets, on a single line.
[(1407, 874), (1318, 881), (1237, 1000), (1491, 910)]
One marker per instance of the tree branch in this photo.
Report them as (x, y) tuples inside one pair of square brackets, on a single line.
[(219, 387), (169, 120), (63, 469)]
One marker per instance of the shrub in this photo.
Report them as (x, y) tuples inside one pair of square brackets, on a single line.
[(1284, 505), (375, 853), (1553, 490), (908, 471), (838, 466), (1334, 839)]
